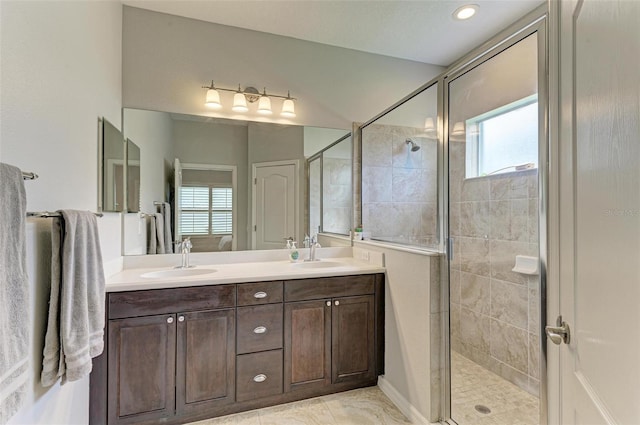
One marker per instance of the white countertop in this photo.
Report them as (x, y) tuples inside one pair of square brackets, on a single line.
[(131, 279)]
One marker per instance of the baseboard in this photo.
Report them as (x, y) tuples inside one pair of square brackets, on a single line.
[(401, 403)]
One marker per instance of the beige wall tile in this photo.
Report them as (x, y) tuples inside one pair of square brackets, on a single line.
[(475, 292), (510, 303), (474, 256), (510, 345)]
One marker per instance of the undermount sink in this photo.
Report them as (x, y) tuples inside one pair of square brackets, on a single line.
[(177, 273), (319, 264)]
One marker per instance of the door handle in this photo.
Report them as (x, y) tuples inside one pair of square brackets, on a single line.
[(559, 333)]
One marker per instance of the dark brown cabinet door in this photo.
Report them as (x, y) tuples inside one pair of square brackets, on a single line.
[(206, 352), (141, 369), (307, 344), (353, 346)]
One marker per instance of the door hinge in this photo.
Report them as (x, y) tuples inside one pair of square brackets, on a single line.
[(255, 180), (559, 333), (255, 228)]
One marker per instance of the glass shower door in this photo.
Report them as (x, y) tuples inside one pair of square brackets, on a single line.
[(493, 141)]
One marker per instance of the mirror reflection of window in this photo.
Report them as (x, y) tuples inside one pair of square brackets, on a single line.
[(206, 209)]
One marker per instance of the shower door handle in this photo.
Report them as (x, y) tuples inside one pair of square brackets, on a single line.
[(560, 333)]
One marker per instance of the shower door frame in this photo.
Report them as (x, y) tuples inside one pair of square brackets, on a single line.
[(534, 22)]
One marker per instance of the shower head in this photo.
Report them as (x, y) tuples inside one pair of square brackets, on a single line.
[(414, 146)]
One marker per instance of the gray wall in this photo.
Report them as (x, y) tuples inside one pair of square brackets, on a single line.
[(166, 60)]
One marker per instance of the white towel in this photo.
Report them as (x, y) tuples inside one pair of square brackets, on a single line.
[(159, 233), (165, 209), (14, 294), (75, 326)]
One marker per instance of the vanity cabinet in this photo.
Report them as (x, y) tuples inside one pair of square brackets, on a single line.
[(185, 354), (330, 340), (141, 380)]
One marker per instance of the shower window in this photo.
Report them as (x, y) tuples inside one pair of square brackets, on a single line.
[(504, 139), (400, 174)]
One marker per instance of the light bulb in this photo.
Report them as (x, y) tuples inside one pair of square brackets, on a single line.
[(465, 12)]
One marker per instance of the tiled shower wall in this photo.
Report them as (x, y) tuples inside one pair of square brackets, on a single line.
[(494, 311), (399, 187)]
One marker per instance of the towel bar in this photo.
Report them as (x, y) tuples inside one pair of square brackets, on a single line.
[(47, 214), (27, 175)]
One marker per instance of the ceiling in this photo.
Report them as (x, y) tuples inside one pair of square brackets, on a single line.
[(419, 30)]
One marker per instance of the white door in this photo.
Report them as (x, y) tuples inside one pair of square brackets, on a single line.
[(599, 203), (275, 204), (177, 184)]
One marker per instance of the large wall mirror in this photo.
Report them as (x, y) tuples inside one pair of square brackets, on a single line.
[(228, 184)]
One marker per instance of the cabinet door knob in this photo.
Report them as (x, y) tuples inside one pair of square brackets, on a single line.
[(169, 319), (260, 378), (260, 295), (328, 303), (260, 330), (180, 318), (337, 303)]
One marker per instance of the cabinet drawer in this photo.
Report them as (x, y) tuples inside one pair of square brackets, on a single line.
[(259, 375), (328, 287), (259, 293), (259, 328), (162, 301)]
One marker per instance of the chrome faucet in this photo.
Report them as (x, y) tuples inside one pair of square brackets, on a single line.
[(185, 249), (313, 244)]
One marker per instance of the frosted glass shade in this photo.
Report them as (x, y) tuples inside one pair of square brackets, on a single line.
[(429, 127), (288, 108), (239, 103), (458, 129), (264, 105), (213, 99)]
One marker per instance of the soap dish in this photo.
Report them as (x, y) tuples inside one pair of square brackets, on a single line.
[(526, 265)]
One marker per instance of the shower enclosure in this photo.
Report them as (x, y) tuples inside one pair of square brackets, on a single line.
[(495, 144)]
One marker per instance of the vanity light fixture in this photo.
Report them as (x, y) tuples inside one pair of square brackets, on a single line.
[(251, 95), (465, 12)]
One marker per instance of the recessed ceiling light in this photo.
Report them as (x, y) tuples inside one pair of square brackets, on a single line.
[(465, 12)]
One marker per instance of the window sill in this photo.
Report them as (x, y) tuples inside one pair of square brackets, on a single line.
[(505, 174)]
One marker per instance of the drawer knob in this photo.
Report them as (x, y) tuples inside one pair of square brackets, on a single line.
[(328, 303), (260, 378), (337, 302), (260, 330), (260, 295), (180, 318), (169, 319)]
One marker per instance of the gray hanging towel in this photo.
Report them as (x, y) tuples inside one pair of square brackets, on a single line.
[(14, 294), (75, 325)]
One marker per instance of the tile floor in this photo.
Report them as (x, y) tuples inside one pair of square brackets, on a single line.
[(366, 406), (472, 385)]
